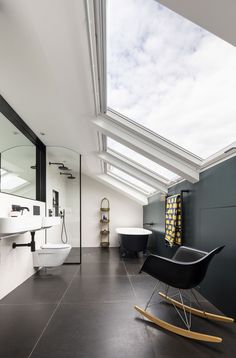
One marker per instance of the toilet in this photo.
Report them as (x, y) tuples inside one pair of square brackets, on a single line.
[(51, 255)]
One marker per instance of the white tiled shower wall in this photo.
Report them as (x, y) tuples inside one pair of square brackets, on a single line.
[(69, 201), (16, 265)]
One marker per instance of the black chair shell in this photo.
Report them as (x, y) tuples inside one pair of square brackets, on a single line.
[(185, 270)]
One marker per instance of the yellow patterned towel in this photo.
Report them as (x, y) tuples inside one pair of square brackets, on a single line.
[(173, 222)]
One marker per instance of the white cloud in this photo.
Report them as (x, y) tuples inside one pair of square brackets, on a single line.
[(171, 76)]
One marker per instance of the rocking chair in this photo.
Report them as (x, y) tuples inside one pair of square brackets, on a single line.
[(184, 271)]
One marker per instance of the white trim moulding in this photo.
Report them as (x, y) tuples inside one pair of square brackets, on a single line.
[(144, 146), (136, 171)]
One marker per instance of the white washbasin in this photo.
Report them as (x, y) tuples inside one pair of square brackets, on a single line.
[(49, 221), (19, 225)]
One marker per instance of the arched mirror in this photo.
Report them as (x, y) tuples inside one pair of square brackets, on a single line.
[(21, 157)]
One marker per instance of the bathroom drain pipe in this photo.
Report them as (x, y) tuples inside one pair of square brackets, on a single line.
[(29, 244)]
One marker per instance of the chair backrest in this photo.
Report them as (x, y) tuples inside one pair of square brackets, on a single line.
[(202, 264), (185, 270)]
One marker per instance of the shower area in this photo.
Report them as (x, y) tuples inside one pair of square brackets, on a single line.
[(64, 199)]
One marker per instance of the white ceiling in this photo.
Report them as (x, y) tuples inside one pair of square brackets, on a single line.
[(45, 70), (216, 16)]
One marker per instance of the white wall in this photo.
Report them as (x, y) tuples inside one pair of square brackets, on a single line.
[(16, 265), (124, 212)]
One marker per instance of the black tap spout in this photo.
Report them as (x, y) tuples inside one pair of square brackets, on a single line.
[(24, 208), (20, 208)]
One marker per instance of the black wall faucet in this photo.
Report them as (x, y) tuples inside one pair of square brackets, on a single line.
[(19, 208)]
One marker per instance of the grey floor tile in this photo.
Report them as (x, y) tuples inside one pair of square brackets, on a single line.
[(115, 268), (42, 287), (98, 254), (95, 331), (99, 289), (20, 327), (143, 286), (74, 255), (133, 268)]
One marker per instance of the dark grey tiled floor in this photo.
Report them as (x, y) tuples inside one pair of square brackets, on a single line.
[(87, 312)]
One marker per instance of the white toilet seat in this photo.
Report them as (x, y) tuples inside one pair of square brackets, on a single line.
[(55, 246)]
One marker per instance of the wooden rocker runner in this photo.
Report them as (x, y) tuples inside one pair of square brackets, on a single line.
[(184, 271)]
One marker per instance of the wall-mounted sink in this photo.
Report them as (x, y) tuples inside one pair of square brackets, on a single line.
[(50, 221), (19, 225), (24, 223)]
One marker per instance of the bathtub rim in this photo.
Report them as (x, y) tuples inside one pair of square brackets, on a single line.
[(132, 231)]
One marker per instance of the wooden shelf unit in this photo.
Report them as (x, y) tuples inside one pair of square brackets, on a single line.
[(104, 223)]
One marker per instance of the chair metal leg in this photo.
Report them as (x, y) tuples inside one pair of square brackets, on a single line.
[(153, 292), (187, 320)]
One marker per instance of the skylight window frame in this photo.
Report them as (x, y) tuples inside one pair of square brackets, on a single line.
[(136, 163), (123, 188), (97, 42), (203, 164), (153, 137), (100, 78), (152, 150), (134, 170), (127, 182)]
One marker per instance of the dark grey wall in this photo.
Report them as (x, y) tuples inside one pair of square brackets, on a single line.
[(209, 221)]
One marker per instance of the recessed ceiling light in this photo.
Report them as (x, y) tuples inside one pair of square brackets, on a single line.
[(15, 133), (41, 133)]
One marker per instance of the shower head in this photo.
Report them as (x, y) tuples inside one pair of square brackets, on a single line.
[(71, 176), (61, 165)]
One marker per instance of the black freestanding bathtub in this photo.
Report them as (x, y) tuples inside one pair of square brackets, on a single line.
[(133, 240)]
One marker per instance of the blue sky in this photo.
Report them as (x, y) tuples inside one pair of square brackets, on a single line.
[(171, 76)]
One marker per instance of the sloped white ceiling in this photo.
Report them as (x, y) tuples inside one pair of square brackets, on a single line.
[(216, 16), (45, 70)]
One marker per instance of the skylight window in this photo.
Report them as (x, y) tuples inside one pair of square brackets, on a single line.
[(2, 172), (140, 159), (171, 76), (130, 180), (11, 182)]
